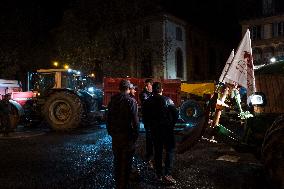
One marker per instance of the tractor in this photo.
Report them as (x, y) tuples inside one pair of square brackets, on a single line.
[(64, 98), (256, 127), (9, 108)]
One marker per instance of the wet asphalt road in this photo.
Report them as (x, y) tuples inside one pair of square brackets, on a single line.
[(83, 159)]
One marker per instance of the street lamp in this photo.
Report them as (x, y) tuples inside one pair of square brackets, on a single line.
[(55, 63), (66, 67)]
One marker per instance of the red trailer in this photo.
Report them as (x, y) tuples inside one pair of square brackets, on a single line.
[(171, 88)]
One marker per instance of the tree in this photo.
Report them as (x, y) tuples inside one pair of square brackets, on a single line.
[(106, 36)]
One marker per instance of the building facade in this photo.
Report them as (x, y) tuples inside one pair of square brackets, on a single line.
[(163, 48), (158, 46), (184, 51), (267, 33)]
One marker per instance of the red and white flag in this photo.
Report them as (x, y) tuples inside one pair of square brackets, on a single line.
[(222, 78), (241, 69)]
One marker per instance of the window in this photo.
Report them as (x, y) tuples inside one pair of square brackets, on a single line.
[(178, 34), (179, 63), (268, 7), (278, 29), (146, 32), (256, 32)]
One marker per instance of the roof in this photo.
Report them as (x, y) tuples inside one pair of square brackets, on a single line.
[(276, 68)]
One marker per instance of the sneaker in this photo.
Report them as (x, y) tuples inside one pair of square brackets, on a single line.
[(168, 179)]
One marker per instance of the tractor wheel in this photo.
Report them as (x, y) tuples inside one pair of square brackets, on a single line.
[(190, 111), (63, 110), (192, 114), (273, 153)]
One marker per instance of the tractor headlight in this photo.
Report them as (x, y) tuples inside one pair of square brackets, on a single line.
[(91, 89), (258, 99)]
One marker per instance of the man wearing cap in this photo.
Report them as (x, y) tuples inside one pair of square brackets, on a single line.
[(132, 90), (122, 126)]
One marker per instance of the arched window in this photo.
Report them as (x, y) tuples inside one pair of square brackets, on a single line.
[(179, 63)]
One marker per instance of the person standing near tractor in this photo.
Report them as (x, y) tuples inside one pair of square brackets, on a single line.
[(123, 127), (144, 95), (161, 115), (5, 109)]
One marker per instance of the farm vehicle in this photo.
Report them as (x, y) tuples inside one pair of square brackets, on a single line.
[(65, 99), (256, 127), (261, 132), (8, 111)]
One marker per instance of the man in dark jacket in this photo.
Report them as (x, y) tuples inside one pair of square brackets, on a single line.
[(122, 126), (5, 109), (144, 95), (160, 112)]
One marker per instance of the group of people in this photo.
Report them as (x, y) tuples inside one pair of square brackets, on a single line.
[(159, 116)]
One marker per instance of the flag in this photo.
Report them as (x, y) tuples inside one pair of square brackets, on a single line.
[(222, 78), (240, 70)]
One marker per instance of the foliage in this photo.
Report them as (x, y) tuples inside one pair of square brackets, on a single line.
[(93, 35), (106, 36)]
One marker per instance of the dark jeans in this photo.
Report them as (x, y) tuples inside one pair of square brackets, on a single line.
[(169, 159), (149, 143), (123, 157)]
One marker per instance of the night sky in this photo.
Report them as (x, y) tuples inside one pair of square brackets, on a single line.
[(28, 27), (220, 17)]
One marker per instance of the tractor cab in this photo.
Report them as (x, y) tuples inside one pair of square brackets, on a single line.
[(64, 97), (44, 80)]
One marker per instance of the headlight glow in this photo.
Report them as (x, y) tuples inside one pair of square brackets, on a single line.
[(91, 89), (257, 100)]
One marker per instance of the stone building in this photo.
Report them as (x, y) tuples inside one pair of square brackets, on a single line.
[(163, 48), (185, 52), (267, 32), (157, 46)]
